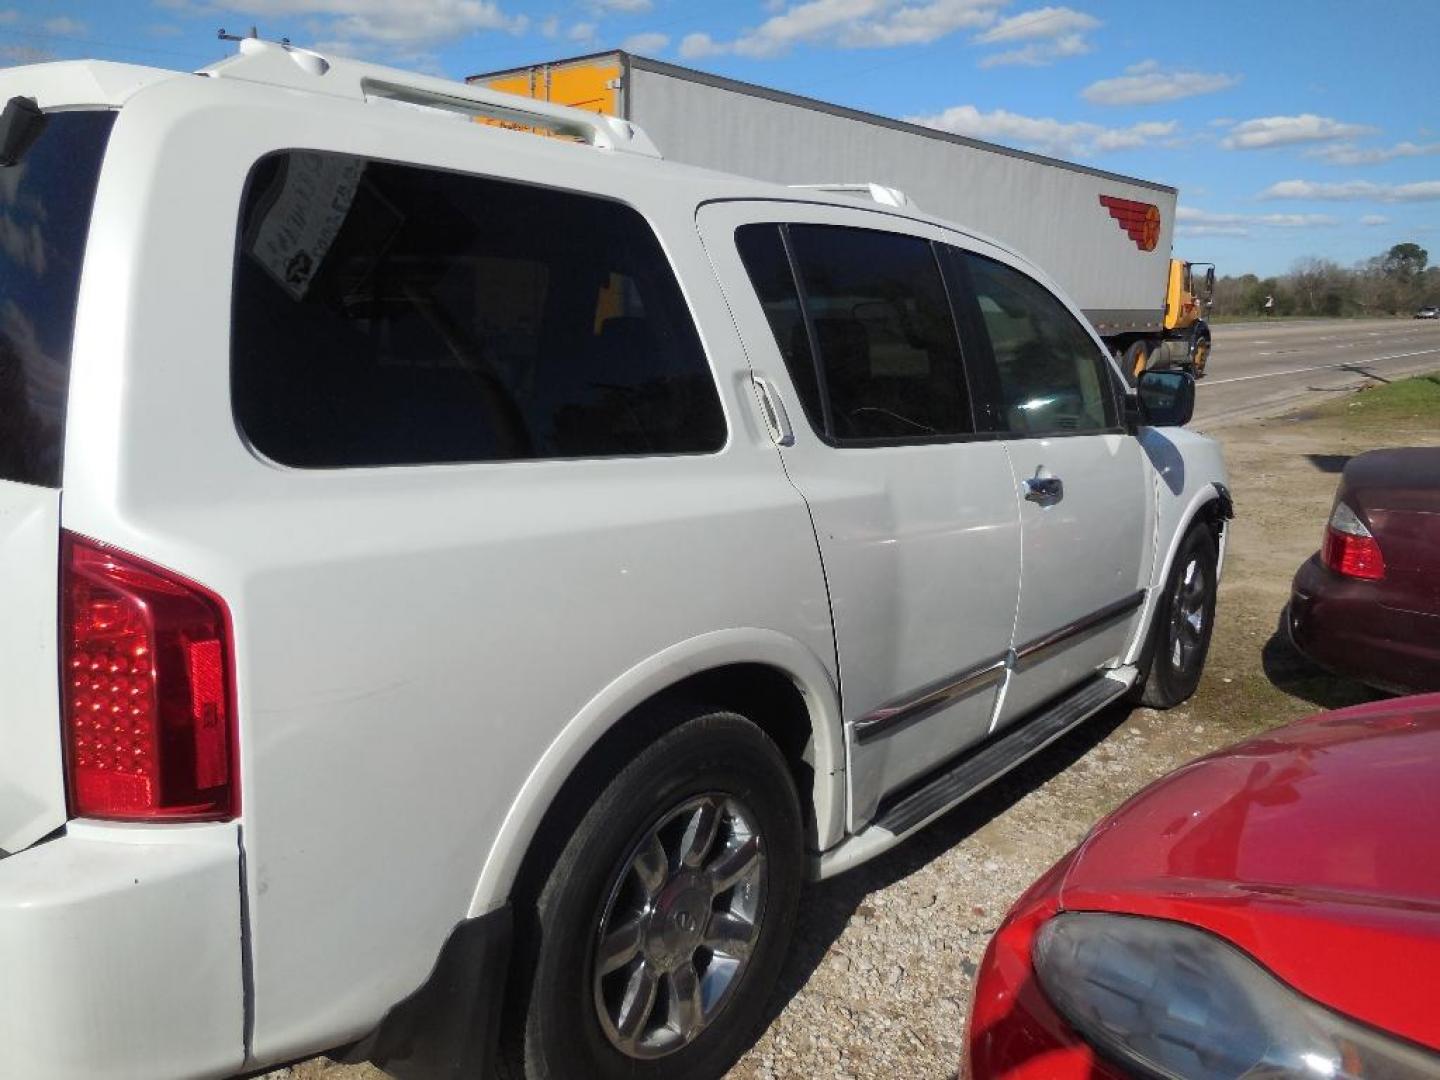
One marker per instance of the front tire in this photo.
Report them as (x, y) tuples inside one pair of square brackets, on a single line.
[(1182, 624), (663, 926)]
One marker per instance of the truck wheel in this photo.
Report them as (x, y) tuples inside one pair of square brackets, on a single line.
[(1199, 357), (1137, 359), (1181, 626), (664, 924)]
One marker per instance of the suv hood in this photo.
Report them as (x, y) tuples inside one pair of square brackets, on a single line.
[(1314, 848)]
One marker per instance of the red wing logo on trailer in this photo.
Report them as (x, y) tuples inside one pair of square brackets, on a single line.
[(1140, 220)]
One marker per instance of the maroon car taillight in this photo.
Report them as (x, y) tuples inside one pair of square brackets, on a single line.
[(147, 690), (1349, 547)]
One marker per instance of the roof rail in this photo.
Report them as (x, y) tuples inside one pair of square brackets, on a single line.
[(281, 64), (885, 196)]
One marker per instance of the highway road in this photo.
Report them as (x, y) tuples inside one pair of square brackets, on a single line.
[(1259, 369)]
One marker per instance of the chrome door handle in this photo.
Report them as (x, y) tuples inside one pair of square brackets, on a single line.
[(1044, 488), (776, 419)]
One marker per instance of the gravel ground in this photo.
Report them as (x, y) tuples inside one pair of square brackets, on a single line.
[(879, 979)]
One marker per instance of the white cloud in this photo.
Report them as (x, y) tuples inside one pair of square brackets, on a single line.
[(1039, 54), (1421, 191), (1046, 22), (63, 24), (1147, 83), (850, 24), (1266, 131), (550, 26), (1374, 219), (628, 7), (400, 27), (1211, 230), (9, 17), (1350, 154), (1044, 134), (645, 43), (13, 55), (1052, 33), (583, 32), (1192, 222)]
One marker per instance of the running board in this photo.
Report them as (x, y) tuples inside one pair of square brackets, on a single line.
[(899, 817)]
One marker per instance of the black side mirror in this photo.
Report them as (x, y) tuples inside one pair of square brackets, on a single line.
[(1167, 398)]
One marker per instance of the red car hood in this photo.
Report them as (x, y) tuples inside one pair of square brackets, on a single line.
[(1315, 848)]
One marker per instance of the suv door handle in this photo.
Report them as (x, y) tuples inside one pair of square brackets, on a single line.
[(775, 417), (1043, 487)]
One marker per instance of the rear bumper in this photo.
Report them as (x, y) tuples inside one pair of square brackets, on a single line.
[(1343, 625), (120, 954)]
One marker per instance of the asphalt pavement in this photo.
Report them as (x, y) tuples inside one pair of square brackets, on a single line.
[(1261, 368)]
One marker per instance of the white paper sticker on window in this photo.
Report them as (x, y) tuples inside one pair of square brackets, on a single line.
[(297, 229)]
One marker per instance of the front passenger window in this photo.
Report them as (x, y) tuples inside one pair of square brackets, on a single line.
[(1053, 378)]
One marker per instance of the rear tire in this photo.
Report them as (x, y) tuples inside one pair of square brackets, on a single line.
[(645, 960), (1181, 626)]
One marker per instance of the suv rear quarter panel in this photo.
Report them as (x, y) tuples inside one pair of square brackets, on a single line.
[(412, 642)]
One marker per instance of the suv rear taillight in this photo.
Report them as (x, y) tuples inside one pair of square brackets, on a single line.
[(148, 706), (1349, 548)]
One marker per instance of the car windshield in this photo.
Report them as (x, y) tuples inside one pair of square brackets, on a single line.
[(45, 203)]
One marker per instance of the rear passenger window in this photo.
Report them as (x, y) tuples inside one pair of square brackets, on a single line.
[(763, 253), (388, 315), (1053, 377), (889, 356)]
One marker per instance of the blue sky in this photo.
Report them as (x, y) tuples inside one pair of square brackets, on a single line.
[(1291, 128)]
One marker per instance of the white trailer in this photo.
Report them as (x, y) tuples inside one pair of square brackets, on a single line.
[(1104, 238)]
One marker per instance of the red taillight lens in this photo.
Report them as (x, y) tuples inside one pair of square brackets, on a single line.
[(1349, 548), (148, 707)]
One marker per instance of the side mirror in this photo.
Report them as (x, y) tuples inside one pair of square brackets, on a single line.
[(1167, 398)]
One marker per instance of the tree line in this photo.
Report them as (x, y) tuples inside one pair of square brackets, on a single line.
[(1397, 282)]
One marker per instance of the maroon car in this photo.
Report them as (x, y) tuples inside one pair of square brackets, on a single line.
[(1367, 604)]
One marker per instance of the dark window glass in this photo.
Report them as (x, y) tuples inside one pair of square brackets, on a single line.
[(1053, 377), (763, 252), (889, 355), (45, 203), (386, 314)]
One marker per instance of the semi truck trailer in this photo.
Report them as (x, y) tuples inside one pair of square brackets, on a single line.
[(1105, 238)]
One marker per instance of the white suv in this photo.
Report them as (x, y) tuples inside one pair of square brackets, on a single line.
[(494, 570)]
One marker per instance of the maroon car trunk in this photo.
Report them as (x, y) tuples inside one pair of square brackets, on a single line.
[(1385, 633)]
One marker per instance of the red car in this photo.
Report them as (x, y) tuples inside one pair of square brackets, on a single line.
[(1271, 910), (1367, 605)]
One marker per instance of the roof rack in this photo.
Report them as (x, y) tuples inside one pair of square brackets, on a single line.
[(282, 64), (885, 196)]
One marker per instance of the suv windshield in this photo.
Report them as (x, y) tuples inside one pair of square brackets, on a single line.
[(45, 203)]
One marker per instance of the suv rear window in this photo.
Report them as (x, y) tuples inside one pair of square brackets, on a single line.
[(45, 204), (386, 314)]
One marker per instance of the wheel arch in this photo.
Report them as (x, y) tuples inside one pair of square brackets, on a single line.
[(1211, 504), (773, 679)]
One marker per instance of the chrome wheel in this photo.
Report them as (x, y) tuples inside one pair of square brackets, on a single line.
[(679, 925), (1187, 616)]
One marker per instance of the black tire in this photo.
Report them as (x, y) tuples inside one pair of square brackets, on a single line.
[(1175, 654), (1136, 360), (715, 755)]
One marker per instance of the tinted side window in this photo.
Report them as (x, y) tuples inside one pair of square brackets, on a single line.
[(1053, 378), (889, 356), (386, 314), (45, 203), (763, 253)]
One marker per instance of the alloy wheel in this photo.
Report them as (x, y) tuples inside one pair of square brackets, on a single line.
[(681, 919), (1187, 616)]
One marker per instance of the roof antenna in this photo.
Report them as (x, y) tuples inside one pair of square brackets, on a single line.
[(254, 35)]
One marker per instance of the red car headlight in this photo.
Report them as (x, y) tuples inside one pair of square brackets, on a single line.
[(1168, 1000)]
